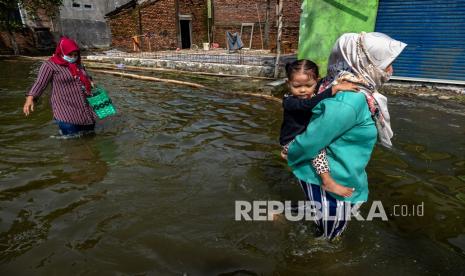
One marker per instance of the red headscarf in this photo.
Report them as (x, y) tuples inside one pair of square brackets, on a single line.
[(65, 47)]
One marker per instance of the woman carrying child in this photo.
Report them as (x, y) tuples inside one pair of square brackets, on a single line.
[(346, 125), (303, 82)]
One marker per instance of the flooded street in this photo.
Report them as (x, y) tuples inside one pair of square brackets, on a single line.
[(153, 193)]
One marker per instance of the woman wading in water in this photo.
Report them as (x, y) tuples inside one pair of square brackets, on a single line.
[(346, 125), (70, 86)]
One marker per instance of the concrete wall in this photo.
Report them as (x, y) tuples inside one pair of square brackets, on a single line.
[(86, 24)]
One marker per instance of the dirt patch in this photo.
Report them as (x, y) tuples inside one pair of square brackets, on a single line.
[(432, 93)]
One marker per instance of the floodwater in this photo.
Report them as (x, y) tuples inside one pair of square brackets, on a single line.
[(153, 193)]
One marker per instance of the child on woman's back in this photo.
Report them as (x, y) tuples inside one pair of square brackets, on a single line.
[(302, 79)]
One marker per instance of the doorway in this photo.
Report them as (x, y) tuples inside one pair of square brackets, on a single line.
[(186, 39)]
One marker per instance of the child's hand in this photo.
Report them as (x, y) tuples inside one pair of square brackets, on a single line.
[(344, 86)]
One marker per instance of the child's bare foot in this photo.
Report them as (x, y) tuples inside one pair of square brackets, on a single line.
[(332, 186), (338, 189)]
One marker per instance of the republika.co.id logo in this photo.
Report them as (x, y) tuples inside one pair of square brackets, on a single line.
[(312, 210)]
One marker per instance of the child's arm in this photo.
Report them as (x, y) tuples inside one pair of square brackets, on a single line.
[(292, 103), (343, 86)]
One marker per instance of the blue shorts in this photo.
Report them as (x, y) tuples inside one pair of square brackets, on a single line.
[(72, 129)]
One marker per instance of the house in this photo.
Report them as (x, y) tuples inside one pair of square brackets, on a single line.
[(172, 24), (84, 21), (434, 31)]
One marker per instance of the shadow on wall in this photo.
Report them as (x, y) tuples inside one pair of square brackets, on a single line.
[(87, 33)]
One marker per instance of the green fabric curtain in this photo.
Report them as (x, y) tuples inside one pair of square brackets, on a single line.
[(323, 21)]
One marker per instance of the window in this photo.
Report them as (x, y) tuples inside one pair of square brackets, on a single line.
[(76, 5), (87, 6)]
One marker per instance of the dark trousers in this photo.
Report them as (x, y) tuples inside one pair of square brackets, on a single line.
[(72, 129)]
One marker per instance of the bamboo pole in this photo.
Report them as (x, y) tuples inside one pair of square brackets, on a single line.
[(139, 77), (278, 41)]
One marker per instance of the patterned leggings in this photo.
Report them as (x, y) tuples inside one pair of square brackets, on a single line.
[(335, 213)]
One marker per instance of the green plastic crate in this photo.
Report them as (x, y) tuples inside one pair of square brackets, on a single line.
[(101, 103)]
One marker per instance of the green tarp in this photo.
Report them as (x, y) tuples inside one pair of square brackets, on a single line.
[(323, 21)]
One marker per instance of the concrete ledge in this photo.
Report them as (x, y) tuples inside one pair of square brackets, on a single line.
[(217, 68)]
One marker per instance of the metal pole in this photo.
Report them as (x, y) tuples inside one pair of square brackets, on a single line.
[(267, 24), (278, 40)]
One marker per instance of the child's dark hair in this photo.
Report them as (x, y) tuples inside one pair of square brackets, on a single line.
[(303, 65)]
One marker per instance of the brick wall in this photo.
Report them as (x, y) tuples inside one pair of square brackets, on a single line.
[(123, 26), (198, 10), (159, 17)]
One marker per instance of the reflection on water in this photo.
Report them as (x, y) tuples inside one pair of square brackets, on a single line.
[(154, 190)]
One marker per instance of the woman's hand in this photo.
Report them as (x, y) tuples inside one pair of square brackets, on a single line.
[(284, 155), (344, 86), (28, 105)]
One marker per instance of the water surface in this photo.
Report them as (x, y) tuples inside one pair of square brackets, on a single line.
[(153, 192)]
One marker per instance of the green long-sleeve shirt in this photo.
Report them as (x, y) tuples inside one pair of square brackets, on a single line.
[(343, 125)]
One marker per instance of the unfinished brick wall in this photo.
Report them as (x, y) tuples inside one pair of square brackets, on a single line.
[(30, 38), (229, 14), (159, 17), (24, 40), (27, 41)]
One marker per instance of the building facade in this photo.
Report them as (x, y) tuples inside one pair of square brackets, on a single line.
[(434, 31), (84, 21), (435, 34), (173, 24)]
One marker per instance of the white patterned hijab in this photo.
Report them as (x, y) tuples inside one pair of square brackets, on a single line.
[(367, 55)]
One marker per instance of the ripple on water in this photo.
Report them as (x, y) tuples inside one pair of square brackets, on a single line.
[(155, 189)]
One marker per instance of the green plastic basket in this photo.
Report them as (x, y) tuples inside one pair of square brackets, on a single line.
[(101, 103)]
